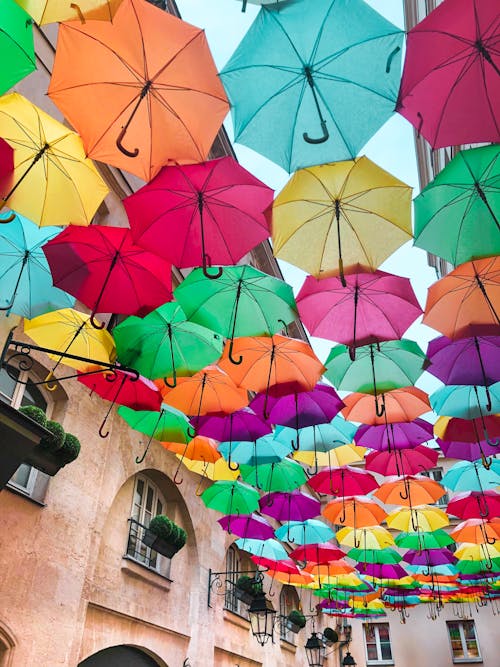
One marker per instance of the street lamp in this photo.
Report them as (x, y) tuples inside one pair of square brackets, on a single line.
[(348, 660), (315, 650), (262, 616)]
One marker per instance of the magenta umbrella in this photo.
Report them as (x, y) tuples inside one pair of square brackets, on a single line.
[(468, 451), (475, 505), (402, 461), (6, 171), (382, 570), (290, 506), (251, 526), (105, 270), (201, 214), (242, 425), (429, 557), (122, 388), (372, 307), (396, 435), (451, 79), (343, 481)]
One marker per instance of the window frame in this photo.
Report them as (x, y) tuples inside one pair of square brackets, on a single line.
[(466, 659), (235, 566), (379, 660), (288, 601)]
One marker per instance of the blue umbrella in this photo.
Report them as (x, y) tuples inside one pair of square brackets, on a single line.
[(310, 531), (261, 451), (319, 438), (472, 476), (26, 287), (311, 84), (271, 549), (466, 402)]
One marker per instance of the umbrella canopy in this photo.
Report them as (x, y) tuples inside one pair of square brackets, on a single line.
[(141, 90), (167, 424), (208, 213), (290, 506), (53, 11), (472, 476), (418, 540), (377, 368), (217, 471), (466, 402), (457, 214), (343, 481), (242, 424), (291, 68), (477, 531), (320, 437), (399, 405), (264, 450), (477, 552), (250, 526), (469, 451), (380, 556), (340, 205), (25, 281), (414, 519), (467, 430), (198, 449), (355, 512), (320, 553), (474, 360), (382, 570), (409, 490), (270, 549), (165, 343), (429, 557), (449, 94), (340, 456), (17, 51), (69, 331), (105, 270), (373, 537), (284, 475), (402, 462), (310, 531), (371, 308), (6, 166), (231, 497), (475, 505), (53, 183), (394, 435), (466, 302)]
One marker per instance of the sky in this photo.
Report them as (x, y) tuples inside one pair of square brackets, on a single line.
[(392, 148)]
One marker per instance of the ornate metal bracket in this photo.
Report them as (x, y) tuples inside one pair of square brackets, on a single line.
[(219, 580)]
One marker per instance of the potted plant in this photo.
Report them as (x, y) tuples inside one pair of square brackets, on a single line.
[(164, 536), (247, 588), (295, 620), (330, 637)]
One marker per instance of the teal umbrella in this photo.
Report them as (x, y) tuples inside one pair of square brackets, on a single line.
[(17, 51), (318, 438), (310, 531), (466, 402), (472, 476), (261, 451), (311, 84), (271, 549), (457, 216), (26, 286), (285, 475), (231, 498), (165, 344)]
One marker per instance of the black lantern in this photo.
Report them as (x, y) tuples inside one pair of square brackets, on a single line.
[(315, 651), (262, 615), (348, 660)]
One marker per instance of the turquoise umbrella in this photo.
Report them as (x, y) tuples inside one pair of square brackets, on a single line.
[(271, 549), (472, 476), (261, 451), (26, 287), (310, 531), (312, 82), (466, 402), (318, 438)]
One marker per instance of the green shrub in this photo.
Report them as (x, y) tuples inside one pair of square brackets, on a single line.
[(249, 585), (297, 618), (34, 413), (167, 530), (330, 635), (54, 441), (70, 449)]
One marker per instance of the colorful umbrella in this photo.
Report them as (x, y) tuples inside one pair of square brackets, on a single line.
[(291, 68), (218, 471), (148, 80), (231, 498), (270, 549), (478, 551), (419, 540), (242, 302), (449, 95), (166, 344), (320, 437), (340, 456), (310, 531), (466, 302), (25, 282), (54, 182), (343, 481), (167, 424), (355, 512), (320, 553), (243, 424), (105, 270), (472, 476), (477, 531), (475, 505), (250, 525), (198, 449), (469, 451), (284, 475), (409, 490), (340, 205), (402, 461), (371, 308), (290, 506), (413, 519), (468, 430), (53, 11), (17, 51), (202, 214), (429, 557), (379, 556), (457, 214), (262, 451), (374, 537), (382, 570), (466, 402), (394, 436), (398, 405)]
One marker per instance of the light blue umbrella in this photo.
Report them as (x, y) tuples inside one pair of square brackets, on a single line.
[(261, 451), (312, 82), (472, 476), (311, 531), (271, 549), (319, 438), (466, 402), (26, 287)]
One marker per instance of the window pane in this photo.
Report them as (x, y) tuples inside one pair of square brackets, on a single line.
[(371, 652), (383, 632), (22, 475), (33, 396), (385, 648), (149, 500), (7, 385)]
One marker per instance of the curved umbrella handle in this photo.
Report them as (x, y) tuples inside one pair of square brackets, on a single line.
[(493, 442), (96, 324), (77, 9), (191, 431), (174, 380), (9, 306), (140, 459), (176, 477), (232, 359), (488, 399), (122, 148), (357, 543), (486, 461), (296, 443), (199, 491), (244, 6), (232, 466), (391, 58), (50, 386), (10, 218), (414, 524), (379, 411), (320, 140), (101, 427), (206, 265)]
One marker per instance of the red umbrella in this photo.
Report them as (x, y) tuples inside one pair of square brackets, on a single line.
[(402, 461), (317, 553), (105, 270), (6, 170), (451, 79), (372, 307), (122, 388), (475, 505), (200, 214), (343, 481)]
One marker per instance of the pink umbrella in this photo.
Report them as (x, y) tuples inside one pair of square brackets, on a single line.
[(321, 553), (402, 461), (247, 525), (6, 171), (194, 215), (343, 481), (372, 307), (122, 388)]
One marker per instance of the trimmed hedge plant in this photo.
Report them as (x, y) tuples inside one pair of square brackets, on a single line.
[(63, 446), (167, 530), (297, 618)]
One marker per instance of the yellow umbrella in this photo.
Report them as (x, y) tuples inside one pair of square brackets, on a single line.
[(340, 456), (53, 11), (469, 551), (375, 537), (340, 214), (215, 471), (424, 518), (54, 182)]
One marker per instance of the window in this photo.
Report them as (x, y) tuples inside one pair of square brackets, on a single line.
[(289, 600), (147, 503), (437, 475), (236, 565), (17, 394), (464, 645), (377, 643)]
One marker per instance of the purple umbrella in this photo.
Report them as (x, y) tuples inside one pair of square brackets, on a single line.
[(240, 425), (291, 506), (250, 526), (333, 604), (398, 435), (429, 557), (382, 571), (467, 451)]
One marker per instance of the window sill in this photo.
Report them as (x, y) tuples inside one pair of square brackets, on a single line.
[(137, 570), (288, 645), (235, 619), (379, 663), (466, 661), (24, 494)]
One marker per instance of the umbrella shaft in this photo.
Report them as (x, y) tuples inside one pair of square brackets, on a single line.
[(37, 157)]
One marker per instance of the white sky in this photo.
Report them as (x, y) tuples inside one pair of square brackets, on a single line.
[(392, 148)]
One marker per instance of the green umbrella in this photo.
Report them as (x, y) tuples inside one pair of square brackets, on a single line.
[(285, 475), (17, 52), (478, 566), (231, 498), (382, 556), (164, 343), (457, 216), (377, 368), (242, 302), (424, 540)]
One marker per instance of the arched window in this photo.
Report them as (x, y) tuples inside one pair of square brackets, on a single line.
[(237, 563), (289, 600)]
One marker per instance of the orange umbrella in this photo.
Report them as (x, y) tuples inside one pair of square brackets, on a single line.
[(198, 449), (209, 390), (466, 302), (409, 490), (354, 511), (400, 405), (274, 364), (291, 579), (142, 91), (331, 569), (477, 531)]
